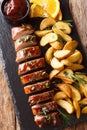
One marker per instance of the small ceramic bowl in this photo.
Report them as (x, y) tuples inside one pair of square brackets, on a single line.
[(18, 20)]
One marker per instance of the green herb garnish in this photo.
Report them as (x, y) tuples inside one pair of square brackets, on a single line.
[(66, 117), (61, 40), (79, 79), (44, 110)]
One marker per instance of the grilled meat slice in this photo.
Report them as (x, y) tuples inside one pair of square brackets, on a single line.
[(35, 99), (52, 119), (45, 108), (33, 77), (28, 53), (20, 31), (25, 41), (31, 65), (37, 87)]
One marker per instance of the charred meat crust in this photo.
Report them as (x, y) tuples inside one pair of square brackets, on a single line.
[(31, 65), (33, 77), (28, 53), (37, 87), (52, 119), (35, 99), (43, 109)]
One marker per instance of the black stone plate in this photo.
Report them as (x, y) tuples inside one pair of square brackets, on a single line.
[(7, 55)]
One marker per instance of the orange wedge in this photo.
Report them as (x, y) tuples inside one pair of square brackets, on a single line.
[(37, 11), (52, 7)]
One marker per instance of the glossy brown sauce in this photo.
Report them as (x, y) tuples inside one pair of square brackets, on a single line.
[(15, 9)]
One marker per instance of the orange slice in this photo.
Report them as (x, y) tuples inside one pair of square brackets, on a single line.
[(37, 11), (52, 7)]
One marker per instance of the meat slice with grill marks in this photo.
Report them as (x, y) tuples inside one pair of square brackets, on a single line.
[(28, 53), (20, 31), (31, 65), (35, 99), (25, 41), (33, 77), (43, 109), (37, 87), (52, 119)]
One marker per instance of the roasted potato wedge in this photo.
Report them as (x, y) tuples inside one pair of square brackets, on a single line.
[(66, 37), (63, 26), (76, 57), (47, 22), (59, 95), (55, 64), (66, 105), (75, 67), (65, 88), (41, 33), (83, 89), (66, 62), (57, 45), (48, 38), (61, 54), (84, 110), (71, 45), (83, 101), (75, 93), (65, 75), (49, 54), (53, 73), (77, 108)]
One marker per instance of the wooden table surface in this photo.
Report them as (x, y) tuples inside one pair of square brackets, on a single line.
[(8, 119)]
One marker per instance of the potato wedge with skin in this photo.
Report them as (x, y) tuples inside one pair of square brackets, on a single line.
[(61, 54), (84, 110), (49, 54), (65, 88), (53, 73), (47, 22), (66, 62), (83, 101), (66, 105), (76, 57), (83, 89), (65, 75), (71, 45), (48, 38), (75, 67), (55, 64), (66, 37), (77, 108), (59, 95), (75, 93), (42, 33), (63, 26), (56, 45)]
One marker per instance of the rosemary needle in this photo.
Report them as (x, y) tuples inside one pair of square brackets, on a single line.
[(66, 117)]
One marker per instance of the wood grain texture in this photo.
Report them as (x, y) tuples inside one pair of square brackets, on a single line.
[(79, 12), (8, 119)]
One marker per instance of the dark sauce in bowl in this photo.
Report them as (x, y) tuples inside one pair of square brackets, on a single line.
[(15, 10)]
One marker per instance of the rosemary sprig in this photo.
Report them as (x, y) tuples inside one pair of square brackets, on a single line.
[(76, 85), (66, 117), (61, 40), (79, 79)]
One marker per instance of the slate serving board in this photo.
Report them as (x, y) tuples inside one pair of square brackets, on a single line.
[(7, 54)]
